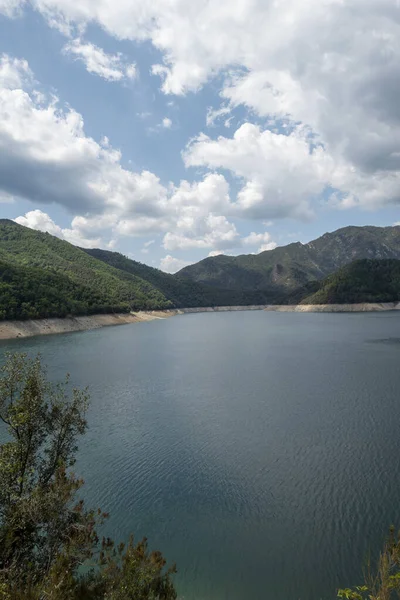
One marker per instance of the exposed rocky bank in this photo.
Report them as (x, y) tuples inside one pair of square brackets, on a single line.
[(22, 329), (364, 307)]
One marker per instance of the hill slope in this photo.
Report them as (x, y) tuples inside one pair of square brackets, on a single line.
[(86, 285), (361, 281), (290, 267), (43, 276), (180, 291)]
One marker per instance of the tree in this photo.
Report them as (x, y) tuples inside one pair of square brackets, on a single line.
[(46, 536), (384, 582)]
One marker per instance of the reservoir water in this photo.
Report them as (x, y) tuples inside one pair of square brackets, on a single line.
[(260, 451)]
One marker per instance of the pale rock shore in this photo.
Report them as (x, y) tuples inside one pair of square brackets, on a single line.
[(220, 309), (336, 308), (21, 329)]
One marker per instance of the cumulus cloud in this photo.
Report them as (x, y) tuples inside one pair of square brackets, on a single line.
[(281, 174), (169, 264), (37, 219), (331, 65), (111, 67), (167, 123), (263, 240), (322, 76), (46, 157), (267, 247), (14, 72)]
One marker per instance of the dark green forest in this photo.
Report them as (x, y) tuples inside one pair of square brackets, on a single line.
[(42, 276), (361, 281)]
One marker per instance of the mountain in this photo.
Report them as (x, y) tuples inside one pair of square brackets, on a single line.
[(43, 276), (180, 291), (291, 267), (361, 281)]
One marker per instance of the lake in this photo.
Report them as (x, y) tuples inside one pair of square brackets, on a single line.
[(258, 450)]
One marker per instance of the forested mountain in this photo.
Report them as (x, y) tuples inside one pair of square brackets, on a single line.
[(43, 276), (182, 292), (290, 267), (361, 281)]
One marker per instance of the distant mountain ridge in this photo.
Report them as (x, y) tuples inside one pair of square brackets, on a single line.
[(43, 276), (290, 267)]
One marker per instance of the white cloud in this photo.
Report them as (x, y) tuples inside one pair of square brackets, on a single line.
[(14, 72), (267, 247), (11, 8), (146, 246), (332, 65), (37, 219), (169, 264), (280, 173), (253, 239), (200, 220), (167, 123), (263, 240), (215, 253), (214, 114), (112, 67), (46, 157), (210, 232)]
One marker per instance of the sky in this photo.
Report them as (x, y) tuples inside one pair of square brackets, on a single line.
[(173, 130)]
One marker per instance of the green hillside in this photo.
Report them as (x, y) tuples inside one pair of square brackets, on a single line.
[(290, 267), (88, 285), (182, 292), (43, 276), (361, 281), (32, 293)]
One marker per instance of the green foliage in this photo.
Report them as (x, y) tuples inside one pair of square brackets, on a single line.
[(291, 267), (42, 276), (384, 582), (361, 281), (180, 291), (32, 293), (46, 535)]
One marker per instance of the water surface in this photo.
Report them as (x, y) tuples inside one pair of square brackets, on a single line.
[(258, 450)]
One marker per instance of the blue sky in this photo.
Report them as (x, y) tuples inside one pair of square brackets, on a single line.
[(177, 130)]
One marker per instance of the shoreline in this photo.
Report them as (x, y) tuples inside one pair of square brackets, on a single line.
[(336, 308), (22, 329)]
